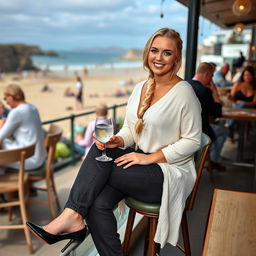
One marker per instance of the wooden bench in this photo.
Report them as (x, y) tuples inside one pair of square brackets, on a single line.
[(231, 229)]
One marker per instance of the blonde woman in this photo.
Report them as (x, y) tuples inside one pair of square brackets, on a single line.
[(163, 121)]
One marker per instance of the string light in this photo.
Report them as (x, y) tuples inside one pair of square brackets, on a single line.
[(239, 27), (162, 14), (241, 7)]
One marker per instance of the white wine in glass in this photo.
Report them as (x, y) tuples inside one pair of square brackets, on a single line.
[(103, 131)]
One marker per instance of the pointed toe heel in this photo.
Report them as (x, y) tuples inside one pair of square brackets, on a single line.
[(43, 235)]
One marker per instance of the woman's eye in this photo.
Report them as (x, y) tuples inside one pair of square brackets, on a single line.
[(167, 53), (153, 50)]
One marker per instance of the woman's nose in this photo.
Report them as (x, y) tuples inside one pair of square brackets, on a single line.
[(159, 56)]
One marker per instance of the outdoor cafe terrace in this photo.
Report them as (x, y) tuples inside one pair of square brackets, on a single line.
[(239, 176)]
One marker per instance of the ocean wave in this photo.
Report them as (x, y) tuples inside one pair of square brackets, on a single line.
[(72, 60), (61, 67)]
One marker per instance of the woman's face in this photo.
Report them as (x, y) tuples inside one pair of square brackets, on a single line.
[(247, 76), (162, 56), (9, 99)]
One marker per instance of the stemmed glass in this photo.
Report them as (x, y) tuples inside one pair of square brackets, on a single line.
[(103, 131)]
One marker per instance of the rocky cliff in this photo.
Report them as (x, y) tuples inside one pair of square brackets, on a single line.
[(132, 55), (15, 57)]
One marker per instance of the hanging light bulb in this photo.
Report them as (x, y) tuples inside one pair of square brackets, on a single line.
[(241, 7), (162, 14), (239, 27)]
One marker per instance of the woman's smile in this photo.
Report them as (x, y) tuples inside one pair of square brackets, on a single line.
[(158, 65)]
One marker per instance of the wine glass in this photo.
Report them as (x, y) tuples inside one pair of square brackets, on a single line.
[(104, 131)]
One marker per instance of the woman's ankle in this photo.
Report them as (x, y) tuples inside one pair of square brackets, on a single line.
[(67, 222)]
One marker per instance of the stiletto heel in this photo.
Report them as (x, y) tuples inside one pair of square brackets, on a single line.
[(69, 247), (51, 239)]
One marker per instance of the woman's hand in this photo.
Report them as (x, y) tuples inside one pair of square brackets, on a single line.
[(114, 142), (238, 102), (133, 158)]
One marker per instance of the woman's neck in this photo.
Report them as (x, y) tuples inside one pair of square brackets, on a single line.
[(166, 81)]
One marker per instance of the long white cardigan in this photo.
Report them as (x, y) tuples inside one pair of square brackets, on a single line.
[(173, 125)]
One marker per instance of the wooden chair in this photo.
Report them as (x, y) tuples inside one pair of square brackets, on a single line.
[(16, 182), (46, 172), (151, 211)]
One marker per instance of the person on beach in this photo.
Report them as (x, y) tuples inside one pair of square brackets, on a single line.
[(79, 93), (68, 92), (22, 128), (153, 157)]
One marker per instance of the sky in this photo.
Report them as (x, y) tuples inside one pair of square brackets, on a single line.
[(78, 24)]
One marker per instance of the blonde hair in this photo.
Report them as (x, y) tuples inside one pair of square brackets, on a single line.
[(15, 91), (150, 84)]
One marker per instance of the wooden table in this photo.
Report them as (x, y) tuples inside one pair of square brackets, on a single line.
[(239, 113), (242, 115), (231, 229)]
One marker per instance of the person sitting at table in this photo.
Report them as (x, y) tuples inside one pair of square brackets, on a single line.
[(243, 92), (243, 95), (239, 71), (211, 108), (219, 77), (22, 127), (4, 111)]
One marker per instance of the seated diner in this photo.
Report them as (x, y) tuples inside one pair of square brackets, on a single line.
[(22, 127)]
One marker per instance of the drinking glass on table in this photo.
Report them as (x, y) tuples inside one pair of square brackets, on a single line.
[(104, 131)]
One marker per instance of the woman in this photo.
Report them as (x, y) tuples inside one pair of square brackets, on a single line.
[(163, 120), (243, 92), (243, 95), (22, 127)]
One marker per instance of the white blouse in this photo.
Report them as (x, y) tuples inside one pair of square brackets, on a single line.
[(173, 125)]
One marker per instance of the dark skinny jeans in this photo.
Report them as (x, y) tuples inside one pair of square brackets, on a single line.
[(99, 186)]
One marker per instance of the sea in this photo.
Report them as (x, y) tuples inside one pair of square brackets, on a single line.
[(84, 59)]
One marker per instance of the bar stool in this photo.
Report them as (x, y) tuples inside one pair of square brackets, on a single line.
[(151, 211)]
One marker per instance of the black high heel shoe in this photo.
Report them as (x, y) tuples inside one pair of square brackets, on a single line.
[(75, 237)]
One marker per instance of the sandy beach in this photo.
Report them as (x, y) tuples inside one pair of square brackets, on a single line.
[(100, 85)]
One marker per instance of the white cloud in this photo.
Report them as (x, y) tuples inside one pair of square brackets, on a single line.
[(153, 8), (21, 18), (70, 23)]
